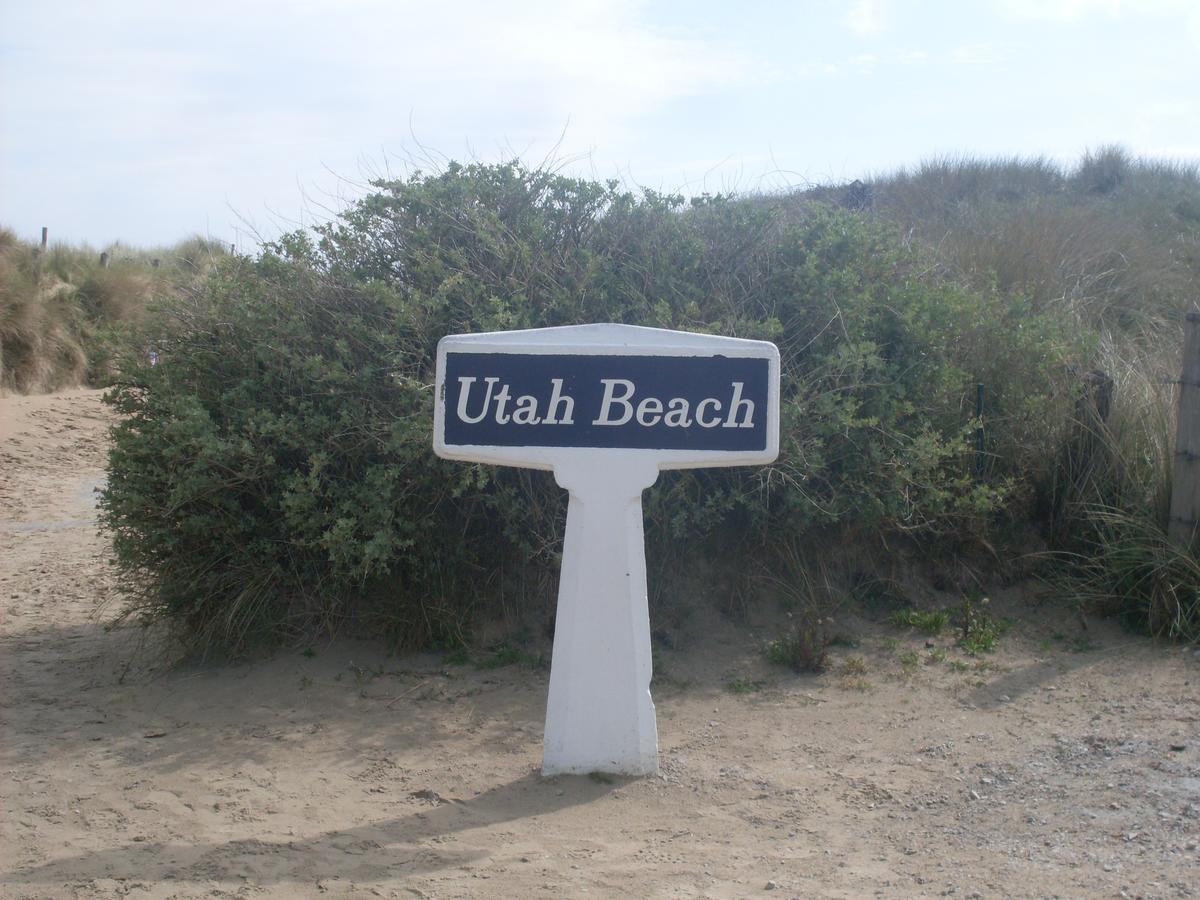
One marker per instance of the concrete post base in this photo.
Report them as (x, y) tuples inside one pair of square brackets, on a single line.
[(599, 715)]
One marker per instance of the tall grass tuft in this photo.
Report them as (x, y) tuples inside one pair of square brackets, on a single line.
[(1109, 526), (1131, 570)]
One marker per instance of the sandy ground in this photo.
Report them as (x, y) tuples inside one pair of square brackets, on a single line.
[(1064, 764)]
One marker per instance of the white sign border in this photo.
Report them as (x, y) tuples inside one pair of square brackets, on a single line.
[(606, 339)]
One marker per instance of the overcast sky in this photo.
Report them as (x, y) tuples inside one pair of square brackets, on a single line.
[(147, 121)]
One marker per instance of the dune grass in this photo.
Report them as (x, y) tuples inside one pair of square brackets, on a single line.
[(65, 316), (1114, 239)]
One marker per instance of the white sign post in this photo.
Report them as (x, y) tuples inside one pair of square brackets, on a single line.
[(606, 407)]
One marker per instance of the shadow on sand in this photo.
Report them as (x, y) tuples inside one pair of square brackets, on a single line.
[(388, 849)]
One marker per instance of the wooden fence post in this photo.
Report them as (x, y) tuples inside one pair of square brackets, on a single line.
[(45, 237), (1185, 480)]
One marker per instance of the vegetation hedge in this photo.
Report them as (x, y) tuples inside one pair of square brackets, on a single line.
[(1111, 248), (273, 472)]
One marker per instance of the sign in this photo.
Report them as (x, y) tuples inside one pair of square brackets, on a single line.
[(615, 402), (606, 407)]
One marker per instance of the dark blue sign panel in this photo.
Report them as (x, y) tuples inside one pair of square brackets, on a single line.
[(635, 402)]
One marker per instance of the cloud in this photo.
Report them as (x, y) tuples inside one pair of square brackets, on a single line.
[(867, 18), (169, 99), (580, 60), (1074, 12), (1070, 11), (596, 61), (868, 62), (975, 55)]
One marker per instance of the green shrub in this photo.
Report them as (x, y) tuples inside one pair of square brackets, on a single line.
[(929, 622), (802, 647), (978, 631), (741, 685), (273, 474)]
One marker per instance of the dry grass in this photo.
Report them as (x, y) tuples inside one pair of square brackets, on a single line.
[(1115, 239), (63, 316)]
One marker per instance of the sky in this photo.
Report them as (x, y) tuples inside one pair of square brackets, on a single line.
[(147, 121)]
